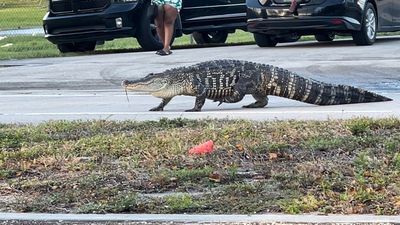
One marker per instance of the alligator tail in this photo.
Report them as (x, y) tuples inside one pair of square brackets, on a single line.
[(292, 86)]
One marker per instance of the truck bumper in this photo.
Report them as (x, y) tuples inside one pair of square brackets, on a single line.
[(116, 21)]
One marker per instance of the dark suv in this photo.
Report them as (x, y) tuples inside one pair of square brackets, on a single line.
[(77, 25), (274, 21)]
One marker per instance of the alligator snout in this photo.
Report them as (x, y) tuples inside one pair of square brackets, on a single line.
[(124, 83)]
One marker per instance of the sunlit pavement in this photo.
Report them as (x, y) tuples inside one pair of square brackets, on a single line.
[(88, 87)]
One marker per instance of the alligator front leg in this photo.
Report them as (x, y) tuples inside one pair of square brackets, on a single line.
[(200, 99), (163, 103)]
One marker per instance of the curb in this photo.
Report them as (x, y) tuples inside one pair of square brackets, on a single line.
[(192, 218)]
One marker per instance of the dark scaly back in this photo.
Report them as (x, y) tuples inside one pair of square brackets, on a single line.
[(217, 76), (281, 82)]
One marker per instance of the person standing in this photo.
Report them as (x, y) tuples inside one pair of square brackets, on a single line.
[(167, 11)]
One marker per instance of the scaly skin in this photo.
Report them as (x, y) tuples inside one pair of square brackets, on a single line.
[(230, 80)]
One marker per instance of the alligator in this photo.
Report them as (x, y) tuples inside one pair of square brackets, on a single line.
[(228, 81)]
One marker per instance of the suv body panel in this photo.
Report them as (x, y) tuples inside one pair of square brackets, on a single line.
[(209, 15), (314, 16)]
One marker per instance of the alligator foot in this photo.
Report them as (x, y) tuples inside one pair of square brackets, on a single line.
[(193, 110), (220, 102), (255, 105), (157, 109)]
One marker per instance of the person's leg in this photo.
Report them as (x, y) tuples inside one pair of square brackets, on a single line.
[(170, 14), (159, 22)]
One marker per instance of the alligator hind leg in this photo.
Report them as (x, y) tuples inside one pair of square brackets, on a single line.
[(261, 101), (237, 95), (163, 103)]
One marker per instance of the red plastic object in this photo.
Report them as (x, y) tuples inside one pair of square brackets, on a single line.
[(205, 148)]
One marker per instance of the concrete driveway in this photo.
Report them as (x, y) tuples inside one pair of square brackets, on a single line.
[(87, 87)]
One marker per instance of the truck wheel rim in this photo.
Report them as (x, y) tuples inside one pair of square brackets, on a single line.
[(370, 23)]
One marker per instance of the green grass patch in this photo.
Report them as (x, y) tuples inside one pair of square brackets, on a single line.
[(21, 17), (20, 47), (350, 166)]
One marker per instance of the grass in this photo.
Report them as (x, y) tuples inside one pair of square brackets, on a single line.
[(20, 47), (22, 13), (350, 166), (16, 18)]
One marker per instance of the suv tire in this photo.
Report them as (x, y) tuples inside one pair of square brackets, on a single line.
[(367, 34), (265, 40), (147, 34), (212, 37), (324, 37)]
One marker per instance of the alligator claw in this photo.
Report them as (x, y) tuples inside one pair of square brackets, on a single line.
[(219, 100)]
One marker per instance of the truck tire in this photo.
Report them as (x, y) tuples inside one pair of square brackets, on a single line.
[(265, 40), (367, 34), (147, 34), (211, 37)]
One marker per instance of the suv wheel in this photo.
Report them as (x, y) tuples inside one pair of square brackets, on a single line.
[(86, 46), (147, 34), (212, 37), (367, 34), (324, 37), (265, 40)]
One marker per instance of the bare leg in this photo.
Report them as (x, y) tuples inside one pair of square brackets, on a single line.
[(159, 22), (170, 14)]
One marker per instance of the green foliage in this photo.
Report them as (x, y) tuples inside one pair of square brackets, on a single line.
[(180, 203), (359, 126), (396, 161), (308, 203)]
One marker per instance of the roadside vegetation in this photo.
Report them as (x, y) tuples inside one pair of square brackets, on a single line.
[(17, 14), (20, 47), (350, 166)]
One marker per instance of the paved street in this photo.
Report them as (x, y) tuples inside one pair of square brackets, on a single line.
[(88, 87)]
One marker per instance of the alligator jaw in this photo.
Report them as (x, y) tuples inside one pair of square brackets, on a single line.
[(141, 86)]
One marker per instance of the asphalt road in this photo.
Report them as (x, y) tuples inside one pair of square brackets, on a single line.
[(88, 87)]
